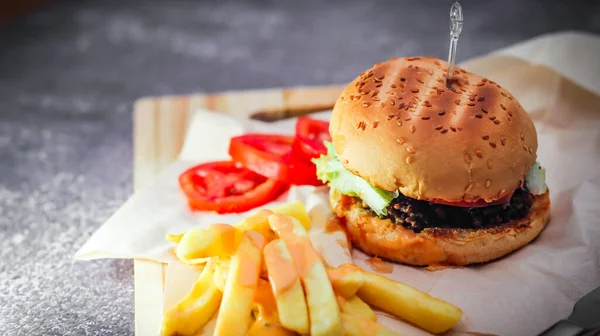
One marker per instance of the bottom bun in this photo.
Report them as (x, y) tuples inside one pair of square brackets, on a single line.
[(437, 246)]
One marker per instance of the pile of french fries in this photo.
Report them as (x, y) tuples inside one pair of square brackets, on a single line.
[(262, 276)]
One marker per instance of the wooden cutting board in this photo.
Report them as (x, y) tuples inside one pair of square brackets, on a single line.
[(160, 124)]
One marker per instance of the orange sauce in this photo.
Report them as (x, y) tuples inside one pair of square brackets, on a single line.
[(336, 274), (379, 265), (282, 272), (267, 321), (227, 237), (282, 224), (303, 253), (249, 260)]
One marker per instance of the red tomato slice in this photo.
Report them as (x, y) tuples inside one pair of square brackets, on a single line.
[(310, 135), (271, 155), (226, 187), (479, 203)]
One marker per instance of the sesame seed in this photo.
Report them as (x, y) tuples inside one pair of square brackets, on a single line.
[(453, 128), (374, 93), (375, 123), (394, 86), (488, 183), (492, 117), (510, 113), (459, 129), (485, 137), (503, 94), (469, 187), (382, 104), (413, 128), (390, 117), (480, 84), (415, 90), (438, 127), (530, 150), (392, 102), (490, 164), (467, 158), (402, 79), (366, 104), (409, 160), (401, 106), (408, 119), (501, 193), (378, 85), (367, 92), (497, 122), (503, 141), (425, 118), (472, 98), (400, 140), (471, 104), (359, 124), (503, 107), (376, 98), (436, 62), (380, 78), (341, 97), (479, 153), (478, 116), (410, 149), (492, 82), (457, 102), (399, 122), (522, 136), (442, 113), (484, 110), (493, 144), (481, 98), (444, 131), (525, 147), (510, 97)]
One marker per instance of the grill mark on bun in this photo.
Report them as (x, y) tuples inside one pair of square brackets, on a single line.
[(441, 123)]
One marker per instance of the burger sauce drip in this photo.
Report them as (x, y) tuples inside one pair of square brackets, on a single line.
[(379, 265)]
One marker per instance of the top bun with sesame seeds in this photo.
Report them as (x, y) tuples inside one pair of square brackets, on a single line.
[(400, 127)]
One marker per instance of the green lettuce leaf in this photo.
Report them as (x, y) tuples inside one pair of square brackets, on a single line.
[(331, 171)]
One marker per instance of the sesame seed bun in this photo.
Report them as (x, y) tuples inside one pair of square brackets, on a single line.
[(401, 128), (438, 246)]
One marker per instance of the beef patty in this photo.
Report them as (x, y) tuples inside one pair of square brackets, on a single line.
[(418, 215)]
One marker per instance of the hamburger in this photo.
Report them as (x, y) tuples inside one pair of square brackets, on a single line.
[(429, 171)]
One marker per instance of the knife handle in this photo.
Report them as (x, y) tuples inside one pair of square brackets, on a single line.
[(563, 328)]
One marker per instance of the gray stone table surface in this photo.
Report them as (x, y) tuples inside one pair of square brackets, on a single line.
[(70, 71)]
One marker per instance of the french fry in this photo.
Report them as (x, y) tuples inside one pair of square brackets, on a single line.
[(217, 240), (360, 326), (323, 310), (357, 307), (286, 286), (175, 237), (407, 303), (297, 210), (266, 319), (346, 279), (196, 309), (242, 280), (221, 271)]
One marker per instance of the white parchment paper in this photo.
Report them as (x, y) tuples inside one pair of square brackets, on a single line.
[(555, 77)]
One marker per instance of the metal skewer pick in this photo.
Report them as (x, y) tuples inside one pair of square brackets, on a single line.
[(456, 22)]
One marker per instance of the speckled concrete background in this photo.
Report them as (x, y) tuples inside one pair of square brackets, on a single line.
[(70, 72)]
